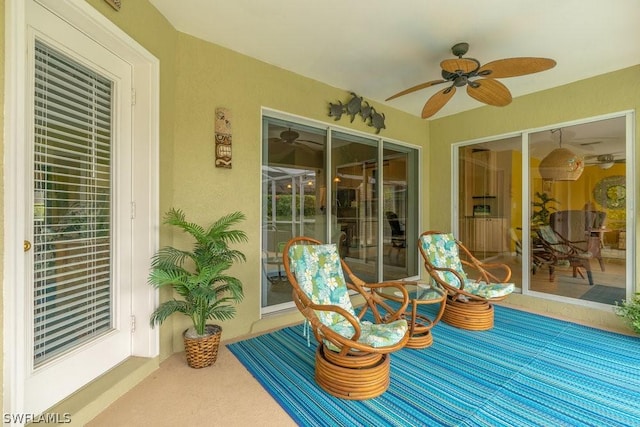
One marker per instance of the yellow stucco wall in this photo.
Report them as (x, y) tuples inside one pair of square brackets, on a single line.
[(209, 76)]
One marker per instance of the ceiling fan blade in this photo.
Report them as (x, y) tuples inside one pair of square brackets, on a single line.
[(309, 141), (513, 67), (466, 65), (437, 101), (490, 92), (415, 88)]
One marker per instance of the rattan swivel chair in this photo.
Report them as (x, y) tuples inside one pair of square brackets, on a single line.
[(353, 355), (471, 285)]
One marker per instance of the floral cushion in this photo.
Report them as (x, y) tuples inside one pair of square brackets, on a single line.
[(319, 274), (442, 251), (488, 290), (373, 334)]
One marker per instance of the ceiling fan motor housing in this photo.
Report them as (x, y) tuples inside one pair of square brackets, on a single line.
[(460, 49)]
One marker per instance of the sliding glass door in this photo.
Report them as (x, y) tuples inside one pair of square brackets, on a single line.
[(357, 191), (552, 205)]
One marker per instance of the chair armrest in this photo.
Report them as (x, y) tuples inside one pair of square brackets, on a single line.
[(484, 269), (355, 323), (451, 290), (379, 299)]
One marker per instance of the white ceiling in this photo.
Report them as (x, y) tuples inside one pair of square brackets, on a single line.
[(377, 48)]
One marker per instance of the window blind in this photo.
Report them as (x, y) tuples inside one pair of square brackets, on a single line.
[(72, 204)]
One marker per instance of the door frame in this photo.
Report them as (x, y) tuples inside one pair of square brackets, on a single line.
[(145, 192)]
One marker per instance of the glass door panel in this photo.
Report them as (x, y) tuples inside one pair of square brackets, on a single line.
[(294, 198), (341, 188), (490, 207), (399, 203), (355, 185), (578, 219)]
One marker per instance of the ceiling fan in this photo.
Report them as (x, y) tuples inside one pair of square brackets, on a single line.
[(480, 80), (291, 137), (604, 161)]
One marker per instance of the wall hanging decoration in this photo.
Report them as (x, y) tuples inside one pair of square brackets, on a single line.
[(116, 4), (223, 138), (611, 192), (357, 106)]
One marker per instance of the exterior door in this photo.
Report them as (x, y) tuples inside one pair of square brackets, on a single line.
[(78, 180)]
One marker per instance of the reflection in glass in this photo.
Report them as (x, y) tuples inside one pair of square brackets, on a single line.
[(490, 208), (575, 227), (366, 206), (587, 258), (294, 198)]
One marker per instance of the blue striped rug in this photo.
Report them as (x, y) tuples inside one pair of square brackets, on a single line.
[(529, 370)]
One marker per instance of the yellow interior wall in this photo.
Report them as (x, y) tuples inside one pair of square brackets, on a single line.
[(580, 192)]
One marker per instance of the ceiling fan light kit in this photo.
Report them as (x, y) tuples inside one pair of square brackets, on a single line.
[(606, 165), (479, 79)]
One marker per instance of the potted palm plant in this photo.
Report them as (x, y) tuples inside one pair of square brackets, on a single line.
[(542, 214), (200, 278)]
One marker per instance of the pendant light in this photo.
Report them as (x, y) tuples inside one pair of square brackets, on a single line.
[(561, 164)]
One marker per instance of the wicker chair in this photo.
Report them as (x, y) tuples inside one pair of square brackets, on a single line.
[(560, 249), (468, 299), (353, 355)]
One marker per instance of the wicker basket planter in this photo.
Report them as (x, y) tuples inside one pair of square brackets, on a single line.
[(203, 352)]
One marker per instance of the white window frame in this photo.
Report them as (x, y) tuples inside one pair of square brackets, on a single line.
[(145, 209)]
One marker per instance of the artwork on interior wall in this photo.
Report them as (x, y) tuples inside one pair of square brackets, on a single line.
[(611, 192), (116, 4), (357, 106), (223, 138)]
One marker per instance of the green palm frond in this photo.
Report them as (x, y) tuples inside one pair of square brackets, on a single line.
[(168, 257), (168, 308), (176, 217)]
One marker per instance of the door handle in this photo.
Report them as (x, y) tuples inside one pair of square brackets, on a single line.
[(26, 245)]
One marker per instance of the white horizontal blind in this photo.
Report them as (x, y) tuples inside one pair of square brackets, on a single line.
[(72, 204)]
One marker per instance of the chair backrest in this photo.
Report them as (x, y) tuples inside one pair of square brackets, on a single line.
[(442, 251), (394, 223), (547, 234), (319, 276), (594, 219)]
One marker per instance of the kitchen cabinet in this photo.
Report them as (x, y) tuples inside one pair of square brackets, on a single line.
[(483, 173), (486, 235)]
